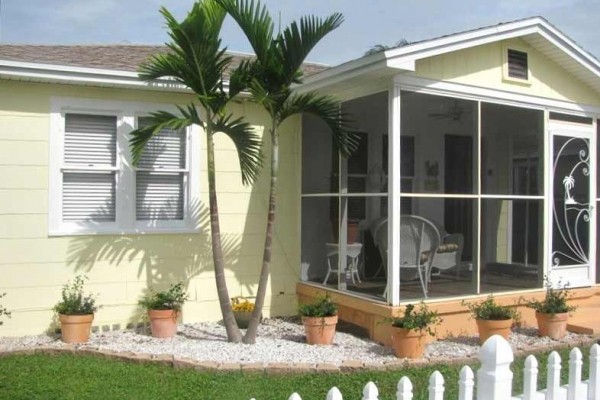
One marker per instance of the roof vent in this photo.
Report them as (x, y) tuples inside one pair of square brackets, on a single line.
[(517, 64)]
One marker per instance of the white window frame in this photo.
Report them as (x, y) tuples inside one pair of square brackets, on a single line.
[(125, 213)]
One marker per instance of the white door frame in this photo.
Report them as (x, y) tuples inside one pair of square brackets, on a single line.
[(575, 275)]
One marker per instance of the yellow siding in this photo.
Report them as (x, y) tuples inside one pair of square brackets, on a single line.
[(34, 266), (482, 66)]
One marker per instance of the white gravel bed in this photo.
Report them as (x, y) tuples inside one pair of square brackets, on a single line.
[(279, 341)]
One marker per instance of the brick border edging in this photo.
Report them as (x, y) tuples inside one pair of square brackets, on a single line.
[(275, 368)]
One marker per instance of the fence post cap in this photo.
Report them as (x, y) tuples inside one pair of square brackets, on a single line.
[(496, 350)]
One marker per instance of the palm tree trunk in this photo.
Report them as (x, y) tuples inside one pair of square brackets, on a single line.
[(250, 336), (233, 332)]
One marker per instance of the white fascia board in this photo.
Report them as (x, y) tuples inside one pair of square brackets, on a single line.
[(85, 76)]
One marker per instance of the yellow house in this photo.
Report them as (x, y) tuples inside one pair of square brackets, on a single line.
[(476, 174)]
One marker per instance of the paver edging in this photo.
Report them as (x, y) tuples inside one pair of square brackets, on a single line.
[(346, 366)]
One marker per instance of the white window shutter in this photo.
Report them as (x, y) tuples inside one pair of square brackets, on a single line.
[(161, 175), (88, 197), (90, 141)]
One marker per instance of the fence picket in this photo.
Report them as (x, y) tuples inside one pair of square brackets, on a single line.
[(466, 383), (530, 375), (495, 374), (334, 394), (575, 388), (553, 384), (295, 396), (594, 381), (405, 389), (370, 392), (436, 386)]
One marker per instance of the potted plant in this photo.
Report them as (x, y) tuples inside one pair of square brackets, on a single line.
[(75, 312), (409, 335), (164, 308), (491, 318), (319, 319), (552, 313), (242, 311)]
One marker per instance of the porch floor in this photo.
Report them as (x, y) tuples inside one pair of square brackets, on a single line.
[(586, 319)]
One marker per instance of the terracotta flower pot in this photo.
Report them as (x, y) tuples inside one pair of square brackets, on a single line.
[(242, 318), (163, 323), (319, 330), (408, 343), (552, 325), (75, 328), (489, 328)]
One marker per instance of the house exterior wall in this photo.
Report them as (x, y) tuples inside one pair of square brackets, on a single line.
[(34, 265), (482, 66)]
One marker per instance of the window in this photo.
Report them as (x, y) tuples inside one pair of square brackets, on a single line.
[(93, 186)]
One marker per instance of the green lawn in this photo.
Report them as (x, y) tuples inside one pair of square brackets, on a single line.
[(88, 377)]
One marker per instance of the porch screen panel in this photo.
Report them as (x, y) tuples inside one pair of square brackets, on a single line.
[(88, 190), (161, 175)]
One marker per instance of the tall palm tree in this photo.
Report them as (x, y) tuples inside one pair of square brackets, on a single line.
[(196, 60), (269, 78)]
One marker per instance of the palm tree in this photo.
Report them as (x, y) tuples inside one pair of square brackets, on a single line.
[(195, 60), (269, 78)]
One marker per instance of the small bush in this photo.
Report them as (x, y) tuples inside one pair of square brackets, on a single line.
[(171, 299), (73, 301), (555, 301), (490, 311), (420, 319), (321, 307)]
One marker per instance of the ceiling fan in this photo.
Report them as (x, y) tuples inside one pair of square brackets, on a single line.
[(451, 110)]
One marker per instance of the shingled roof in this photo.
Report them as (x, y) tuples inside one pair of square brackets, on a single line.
[(112, 57)]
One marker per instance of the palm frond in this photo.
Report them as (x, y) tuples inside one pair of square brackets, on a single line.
[(247, 143), (240, 77), (328, 109), (194, 57), (256, 23), (299, 39), (158, 121)]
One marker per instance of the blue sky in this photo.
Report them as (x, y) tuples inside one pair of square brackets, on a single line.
[(367, 22)]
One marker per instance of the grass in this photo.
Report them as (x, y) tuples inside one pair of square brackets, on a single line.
[(69, 376)]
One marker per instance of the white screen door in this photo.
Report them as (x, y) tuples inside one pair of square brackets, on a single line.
[(570, 203)]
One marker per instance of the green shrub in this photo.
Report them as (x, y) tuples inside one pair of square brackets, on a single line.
[(170, 299), (490, 311), (421, 319), (321, 307), (73, 302), (555, 301), (3, 311)]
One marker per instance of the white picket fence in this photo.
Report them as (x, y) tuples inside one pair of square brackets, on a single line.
[(494, 378)]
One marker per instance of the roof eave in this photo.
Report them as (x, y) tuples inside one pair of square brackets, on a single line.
[(64, 74)]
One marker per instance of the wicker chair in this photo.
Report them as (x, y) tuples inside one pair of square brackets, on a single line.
[(419, 241)]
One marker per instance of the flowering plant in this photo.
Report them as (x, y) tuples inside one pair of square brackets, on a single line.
[(239, 304)]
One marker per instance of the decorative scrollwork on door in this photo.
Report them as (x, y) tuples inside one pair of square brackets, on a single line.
[(571, 204)]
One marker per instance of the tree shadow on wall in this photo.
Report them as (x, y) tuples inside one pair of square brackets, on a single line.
[(140, 261)]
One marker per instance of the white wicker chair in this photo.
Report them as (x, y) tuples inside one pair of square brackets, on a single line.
[(419, 241)]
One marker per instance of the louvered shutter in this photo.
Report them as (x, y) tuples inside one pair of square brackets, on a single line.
[(161, 175), (517, 64), (90, 145)]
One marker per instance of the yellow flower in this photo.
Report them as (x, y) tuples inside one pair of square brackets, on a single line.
[(242, 305)]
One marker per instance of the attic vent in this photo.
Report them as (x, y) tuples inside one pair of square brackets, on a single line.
[(517, 64)]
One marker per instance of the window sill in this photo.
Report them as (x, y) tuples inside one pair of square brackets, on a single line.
[(121, 232)]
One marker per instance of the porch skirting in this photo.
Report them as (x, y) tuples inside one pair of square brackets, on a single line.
[(370, 315)]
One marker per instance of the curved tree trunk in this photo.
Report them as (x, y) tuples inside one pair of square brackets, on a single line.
[(233, 332), (250, 336)]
